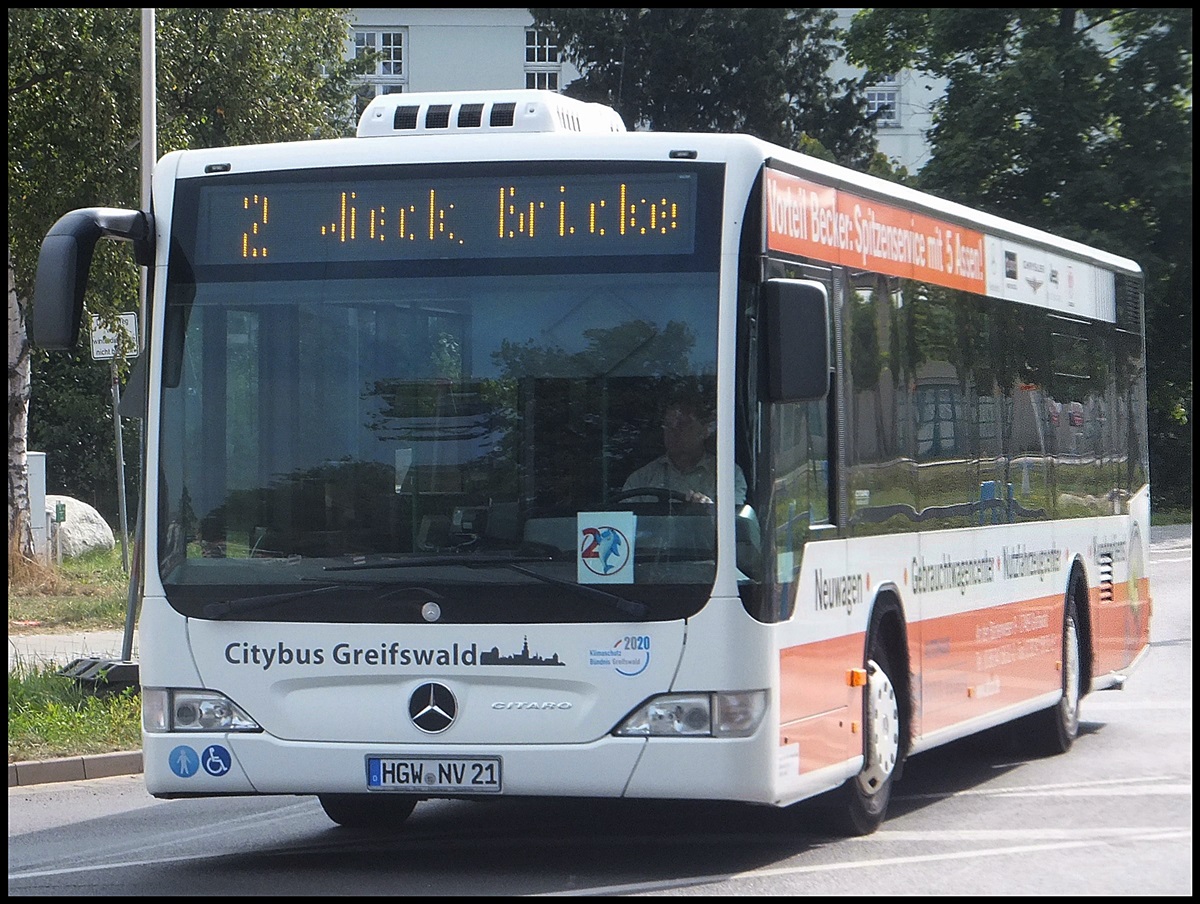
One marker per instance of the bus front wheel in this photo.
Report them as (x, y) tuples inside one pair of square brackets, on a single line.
[(379, 812), (864, 798)]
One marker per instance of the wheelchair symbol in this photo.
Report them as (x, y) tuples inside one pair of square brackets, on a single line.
[(216, 760)]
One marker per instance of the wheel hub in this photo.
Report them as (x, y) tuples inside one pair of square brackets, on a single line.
[(1070, 701), (881, 729)]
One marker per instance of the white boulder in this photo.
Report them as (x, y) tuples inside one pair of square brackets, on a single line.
[(84, 529)]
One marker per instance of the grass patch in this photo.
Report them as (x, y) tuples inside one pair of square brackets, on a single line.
[(88, 593), (52, 716), (1161, 517)]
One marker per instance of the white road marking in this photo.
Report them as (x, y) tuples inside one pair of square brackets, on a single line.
[(1105, 836)]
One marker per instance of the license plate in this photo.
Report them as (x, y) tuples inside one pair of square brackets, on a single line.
[(434, 774)]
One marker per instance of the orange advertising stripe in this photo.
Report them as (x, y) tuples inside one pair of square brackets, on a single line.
[(967, 664), (973, 663), (812, 676), (816, 221), (1121, 625), (817, 704)]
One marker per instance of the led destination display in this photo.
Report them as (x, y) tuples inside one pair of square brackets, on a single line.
[(381, 219)]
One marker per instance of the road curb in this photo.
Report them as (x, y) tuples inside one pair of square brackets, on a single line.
[(74, 768)]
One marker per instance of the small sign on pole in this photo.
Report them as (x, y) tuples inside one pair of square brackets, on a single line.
[(104, 348), (60, 515), (104, 340)]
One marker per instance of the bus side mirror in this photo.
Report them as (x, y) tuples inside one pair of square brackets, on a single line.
[(795, 336), (63, 264)]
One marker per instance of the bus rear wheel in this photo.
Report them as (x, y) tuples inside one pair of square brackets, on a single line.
[(864, 798), (1054, 730), (378, 812)]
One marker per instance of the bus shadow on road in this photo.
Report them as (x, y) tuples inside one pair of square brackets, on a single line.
[(547, 845), (969, 764)]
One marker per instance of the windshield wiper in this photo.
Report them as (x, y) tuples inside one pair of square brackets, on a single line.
[(222, 608), (628, 607), (620, 603), (418, 561)]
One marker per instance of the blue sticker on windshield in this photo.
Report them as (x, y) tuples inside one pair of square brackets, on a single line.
[(606, 547)]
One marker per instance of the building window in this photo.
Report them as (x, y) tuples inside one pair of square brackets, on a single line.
[(543, 65), (884, 97), (390, 75), (937, 417), (390, 47)]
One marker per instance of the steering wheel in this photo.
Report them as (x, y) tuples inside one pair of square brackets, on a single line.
[(661, 494)]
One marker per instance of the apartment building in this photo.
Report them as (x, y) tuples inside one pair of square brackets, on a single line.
[(457, 49)]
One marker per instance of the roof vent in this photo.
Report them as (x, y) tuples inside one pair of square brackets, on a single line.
[(405, 118), (478, 112), (438, 117), (502, 114), (470, 116)]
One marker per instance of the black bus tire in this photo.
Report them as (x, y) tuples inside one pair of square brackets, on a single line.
[(378, 812), (861, 804), (1053, 730)]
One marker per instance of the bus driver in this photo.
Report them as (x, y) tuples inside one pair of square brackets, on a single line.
[(686, 466)]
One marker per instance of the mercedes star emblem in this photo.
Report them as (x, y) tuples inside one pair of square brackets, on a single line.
[(432, 707)]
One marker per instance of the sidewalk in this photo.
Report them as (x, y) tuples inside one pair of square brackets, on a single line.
[(60, 649)]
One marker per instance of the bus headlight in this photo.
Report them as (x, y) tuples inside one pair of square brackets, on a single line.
[(170, 709), (720, 715)]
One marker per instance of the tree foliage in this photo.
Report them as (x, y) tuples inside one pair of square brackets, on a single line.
[(760, 71), (1077, 121), (224, 76)]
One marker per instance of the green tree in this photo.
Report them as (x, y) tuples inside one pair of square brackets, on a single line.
[(224, 76), (1078, 122), (764, 72)]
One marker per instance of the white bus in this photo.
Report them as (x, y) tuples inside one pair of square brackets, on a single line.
[(397, 383)]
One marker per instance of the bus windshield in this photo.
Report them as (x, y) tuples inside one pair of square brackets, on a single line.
[(353, 440)]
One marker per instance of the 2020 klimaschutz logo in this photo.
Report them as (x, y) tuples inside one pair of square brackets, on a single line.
[(629, 656)]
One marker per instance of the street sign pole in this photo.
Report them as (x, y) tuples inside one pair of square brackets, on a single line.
[(106, 343), (104, 348), (125, 672), (116, 397)]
